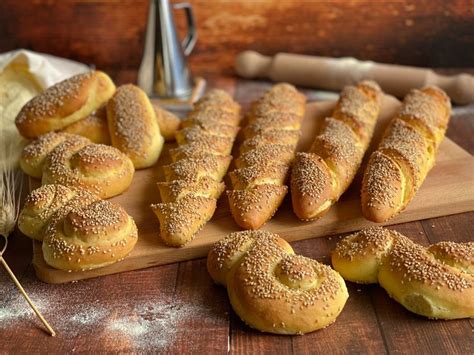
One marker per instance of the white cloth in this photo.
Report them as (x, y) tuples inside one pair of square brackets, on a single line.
[(23, 75)]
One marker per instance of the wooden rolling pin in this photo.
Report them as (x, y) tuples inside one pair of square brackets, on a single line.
[(334, 74)]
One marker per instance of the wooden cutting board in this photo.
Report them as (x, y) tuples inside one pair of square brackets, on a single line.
[(448, 189)]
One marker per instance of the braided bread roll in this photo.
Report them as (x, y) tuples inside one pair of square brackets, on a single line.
[(133, 126), (194, 178), (272, 289), (406, 153), (79, 230), (64, 103), (435, 282), (270, 138), (72, 160), (321, 176)]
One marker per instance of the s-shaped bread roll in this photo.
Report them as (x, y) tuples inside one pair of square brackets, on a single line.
[(194, 179), (133, 126), (406, 153), (272, 289), (435, 282), (64, 103), (79, 230), (273, 130), (72, 160), (321, 176)]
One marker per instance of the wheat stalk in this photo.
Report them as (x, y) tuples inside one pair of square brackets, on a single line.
[(11, 182)]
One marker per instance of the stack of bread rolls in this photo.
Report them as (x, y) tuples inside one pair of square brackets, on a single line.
[(89, 105), (320, 176), (270, 138), (194, 179), (435, 282), (406, 153), (79, 231), (271, 288), (72, 160)]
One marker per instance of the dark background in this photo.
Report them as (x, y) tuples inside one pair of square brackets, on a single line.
[(110, 33)]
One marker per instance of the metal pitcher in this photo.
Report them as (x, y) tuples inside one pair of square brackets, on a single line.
[(164, 72)]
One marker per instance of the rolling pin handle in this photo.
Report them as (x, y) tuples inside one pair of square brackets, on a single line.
[(460, 88), (251, 64)]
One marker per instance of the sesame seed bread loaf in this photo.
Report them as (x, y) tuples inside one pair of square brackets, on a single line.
[(435, 282), (194, 178), (406, 153), (79, 230), (72, 160), (270, 138), (64, 103), (133, 126), (94, 127), (272, 289), (320, 176)]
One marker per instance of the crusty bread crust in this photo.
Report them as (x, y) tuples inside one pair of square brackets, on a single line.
[(435, 282), (64, 103), (320, 176), (270, 139), (194, 178), (272, 289), (406, 154)]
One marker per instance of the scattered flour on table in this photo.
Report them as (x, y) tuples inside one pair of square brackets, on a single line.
[(145, 325)]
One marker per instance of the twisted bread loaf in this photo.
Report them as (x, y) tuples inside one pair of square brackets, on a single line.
[(79, 230), (72, 160), (321, 176), (406, 153), (194, 179), (273, 130), (62, 104), (133, 126), (271, 288), (435, 282)]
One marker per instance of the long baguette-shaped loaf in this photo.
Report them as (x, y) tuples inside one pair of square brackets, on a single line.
[(406, 153), (270, 138), (320, 176), (194, 179)]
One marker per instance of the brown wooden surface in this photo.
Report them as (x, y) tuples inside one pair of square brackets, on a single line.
[(176, 308), (110, 33), (451, 176)]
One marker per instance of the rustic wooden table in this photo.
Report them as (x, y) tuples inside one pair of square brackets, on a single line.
[(176, 308)]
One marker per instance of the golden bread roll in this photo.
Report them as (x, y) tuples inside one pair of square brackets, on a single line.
[(270, 138), (64, 103), (406, 153), (194, 178), (435, 282), (320, 176), (72, 160), (79, 230), (133, 126), (94, 127), (272, 289), (168, 122)]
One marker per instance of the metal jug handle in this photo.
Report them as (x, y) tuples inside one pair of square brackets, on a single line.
[(191, 37)]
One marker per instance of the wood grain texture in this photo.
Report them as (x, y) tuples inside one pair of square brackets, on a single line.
[(110, 33), (451, 176), (423, 33), (122, 296)]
